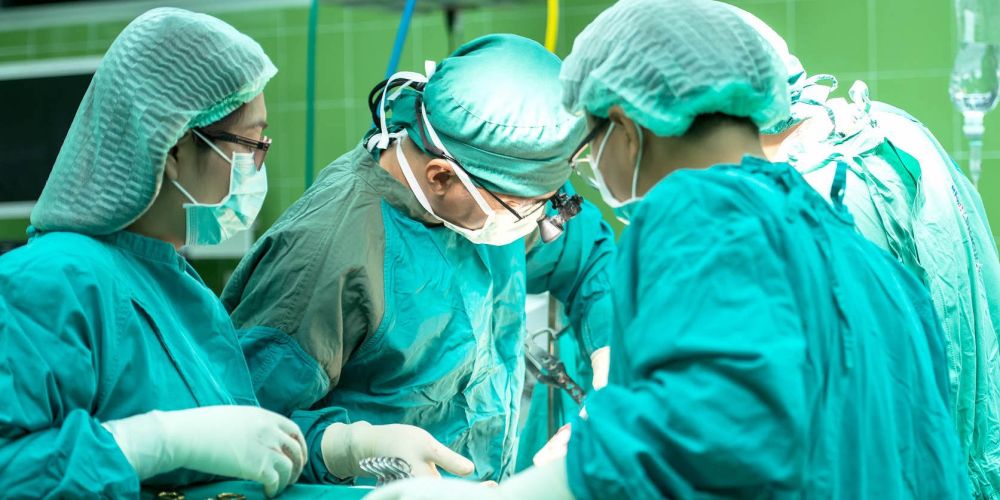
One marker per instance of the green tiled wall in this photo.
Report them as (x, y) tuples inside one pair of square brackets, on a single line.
[(902, 48)]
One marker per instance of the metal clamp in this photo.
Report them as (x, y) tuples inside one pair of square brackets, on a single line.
[(548, 369), (386, 469)]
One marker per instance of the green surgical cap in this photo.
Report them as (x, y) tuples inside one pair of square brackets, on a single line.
[(170, 70), (667, 61), (496, 106)]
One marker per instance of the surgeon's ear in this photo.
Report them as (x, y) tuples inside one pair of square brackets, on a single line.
[(170, 170), (617, 116), (182, 149), (440, 176)]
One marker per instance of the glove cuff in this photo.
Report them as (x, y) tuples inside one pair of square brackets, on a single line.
[(343, 447), (142, 439)]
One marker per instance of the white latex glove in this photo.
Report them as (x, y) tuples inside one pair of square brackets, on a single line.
[(547, 482), (555, 449), (243, 442), (600, 361), (344, 445)]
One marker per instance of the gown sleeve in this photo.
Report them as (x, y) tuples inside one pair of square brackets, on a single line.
[(305, 298), (53, 316)]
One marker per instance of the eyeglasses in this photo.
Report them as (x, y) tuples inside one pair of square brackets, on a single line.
[(259, 147), (582, 161), (529, 211)]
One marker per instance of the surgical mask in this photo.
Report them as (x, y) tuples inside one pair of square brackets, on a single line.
[(211, 224), (624, 212), (501, 227), (618, 206)]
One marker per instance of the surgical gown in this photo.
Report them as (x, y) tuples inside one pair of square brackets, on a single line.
[(359, 304), (95, 329), (763, 349), (909, 198)]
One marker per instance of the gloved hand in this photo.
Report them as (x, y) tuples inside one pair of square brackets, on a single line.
[(243, 442), (547, 482), (344, 445), (555, 449), (600, 362)]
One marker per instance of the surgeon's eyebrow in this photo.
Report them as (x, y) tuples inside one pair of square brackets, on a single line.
[(544, 197), (259, 123)]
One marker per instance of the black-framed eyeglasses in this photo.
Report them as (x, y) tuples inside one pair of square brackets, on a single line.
[(582, 161), (259, 147), (531, 210)]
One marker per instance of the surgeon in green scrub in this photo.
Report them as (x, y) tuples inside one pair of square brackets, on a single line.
[(908, 197), (118, 366), (762, 348), (391, 297)]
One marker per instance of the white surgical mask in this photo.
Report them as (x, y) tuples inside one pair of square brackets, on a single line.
[(620, 207), (500, 228), (213, 223)]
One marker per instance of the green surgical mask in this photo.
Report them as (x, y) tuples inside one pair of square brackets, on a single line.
[(213, 223)]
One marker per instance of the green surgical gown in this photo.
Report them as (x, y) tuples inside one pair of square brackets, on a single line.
[(908, 197), (95, 329), (763, 349), (357, 304)]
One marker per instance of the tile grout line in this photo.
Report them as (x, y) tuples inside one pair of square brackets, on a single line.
[(790, 30), (872, 49), (348, 75)]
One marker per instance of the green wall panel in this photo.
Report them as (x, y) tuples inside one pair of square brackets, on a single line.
[(902, 48)]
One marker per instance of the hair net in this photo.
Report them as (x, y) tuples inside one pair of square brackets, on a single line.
[(666, 62), (805, 94), (495, 105), (168, 71), (793, 67)]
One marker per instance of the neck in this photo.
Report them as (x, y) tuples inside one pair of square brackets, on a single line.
[(165, 220), (726, 143), (771, 144), (387, 160), (415, 157)]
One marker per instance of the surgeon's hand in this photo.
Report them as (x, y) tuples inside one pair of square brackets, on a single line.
[(555, 449), (548, 483), (243, 442), (344, 445), (600, 362)]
